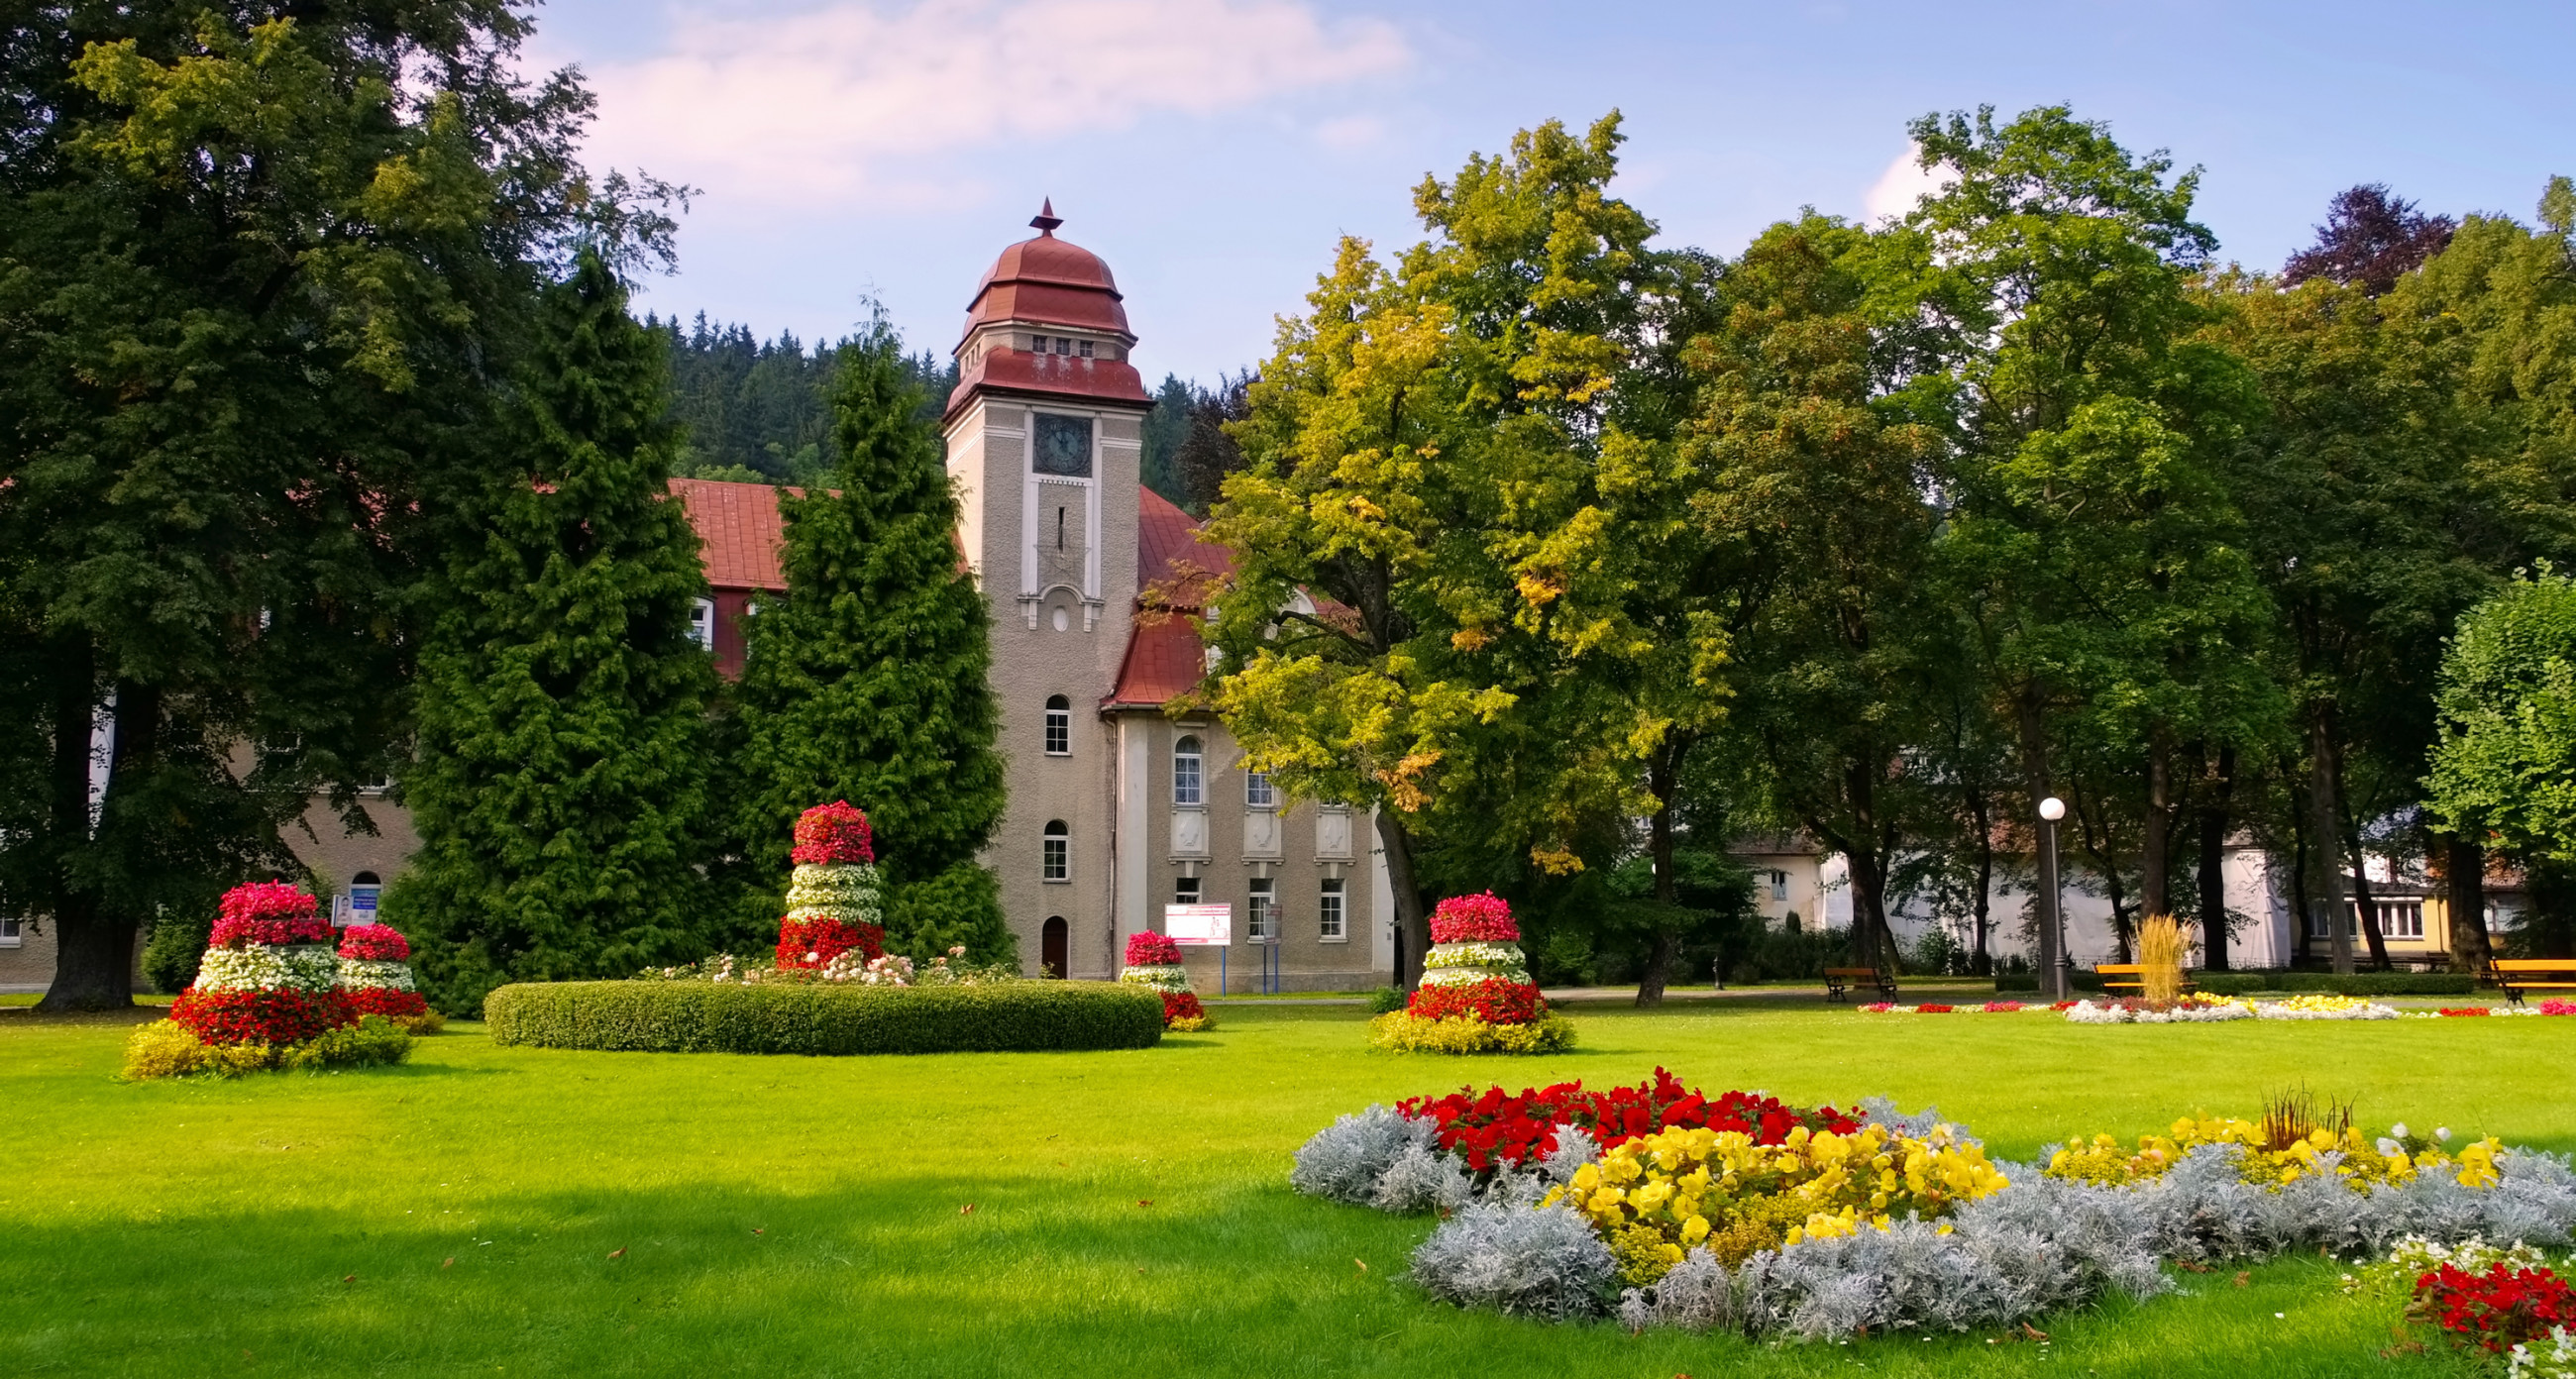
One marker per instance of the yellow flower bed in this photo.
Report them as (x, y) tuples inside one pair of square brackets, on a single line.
[(1655, 1197), (1402, 1032), (2104, 1160)]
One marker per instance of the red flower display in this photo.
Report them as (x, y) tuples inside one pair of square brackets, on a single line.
[(1493, 1000), (2464, 1010), (261, 1017), (1181, 1005), (835, 833), (1152, 950), (374, 943), (2498, 1309), (268, 912), (393, 1005), (815, 942), (1485, 918), (1930, 1009), (1495, 1127)]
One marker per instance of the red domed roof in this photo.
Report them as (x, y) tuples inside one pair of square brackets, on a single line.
[(1047, 282)]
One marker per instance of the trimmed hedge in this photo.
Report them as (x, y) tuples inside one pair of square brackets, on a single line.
[(2246, 983), (705, 1017)]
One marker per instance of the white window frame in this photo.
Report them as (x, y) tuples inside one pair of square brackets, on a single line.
[(1258, 792), (1186, 890), (702, 624), (1189, 773), (1332, 917), (1059, 726), (1055, 853), (1261, 892), (13, 931)]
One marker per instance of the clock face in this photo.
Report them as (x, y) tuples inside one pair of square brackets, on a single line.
[(1063, 446)]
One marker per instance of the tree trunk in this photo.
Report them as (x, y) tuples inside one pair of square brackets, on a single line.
[(1984, 962), (2032, 730), (2300, 948), (2153, 895), (1412, 922), (1869, 909), (2464, 878), (93, 946), (2327, 894), (2361, 897), (2213, 863), (1659, 845)]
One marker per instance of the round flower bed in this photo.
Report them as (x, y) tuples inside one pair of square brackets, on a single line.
[(1667, 1208), (268, 994), (834, 906), (1476, 995), (1154, 960), (375, 971)]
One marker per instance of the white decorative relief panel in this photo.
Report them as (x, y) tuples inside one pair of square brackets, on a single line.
[(1261, 835), (1333, 835), (1189, 833)]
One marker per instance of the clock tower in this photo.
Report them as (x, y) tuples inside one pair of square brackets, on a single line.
[(1045, 434)]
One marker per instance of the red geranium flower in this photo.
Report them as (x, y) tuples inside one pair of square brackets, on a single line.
[(1493, 1000), (1494, 1127), (1485, 918), (390, 1004), (2498, 1309), (268, 912), (1181, 1005), (374, 943), (815, 942), (833, 833), (261, 1017)]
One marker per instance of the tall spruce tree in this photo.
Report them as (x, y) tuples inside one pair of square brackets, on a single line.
[(560, 780), (868, 679)]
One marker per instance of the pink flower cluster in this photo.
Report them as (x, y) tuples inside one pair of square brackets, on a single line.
[(374, 942), (1152, 950), (1485, 918), (2558, 1007), (268, 912), (835, 833)]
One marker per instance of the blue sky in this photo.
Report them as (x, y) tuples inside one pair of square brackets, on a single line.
[(1212, 150)]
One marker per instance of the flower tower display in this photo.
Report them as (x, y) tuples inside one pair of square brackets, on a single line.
[(1476, 995), (833, 904), (1154, 960), (375, 971), (269, 975)]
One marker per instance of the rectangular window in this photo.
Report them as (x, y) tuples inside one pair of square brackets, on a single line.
[(1263, 893), (1086, 349), (1257, 793), (1185, 891), (2397, 918), (1328, 910), (1779, 885), (11, 935), (1057, 864), (1185, 778), (702, 623)]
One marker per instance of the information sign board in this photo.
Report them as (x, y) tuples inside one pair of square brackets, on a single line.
[(1201, 926)]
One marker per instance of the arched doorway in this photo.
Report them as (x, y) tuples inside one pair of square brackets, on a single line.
[(1055, 945)]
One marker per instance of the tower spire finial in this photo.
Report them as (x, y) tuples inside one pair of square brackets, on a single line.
[(1046, 219)]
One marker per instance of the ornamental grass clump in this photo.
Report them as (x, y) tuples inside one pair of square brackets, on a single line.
[(1476, 995), (834, 903), (1154, 961), (2162, 949)]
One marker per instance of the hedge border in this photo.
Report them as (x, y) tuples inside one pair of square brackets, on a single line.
[(2247, 983), (821, 1019)]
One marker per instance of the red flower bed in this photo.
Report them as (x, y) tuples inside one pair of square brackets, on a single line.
[(2498, 1309), (833, 833), (1181, 1005), (261, 1017), (1152, 950), (1934, 1009), (1495, 1127), (374, 943), (1493, 1000), (2464, 1010), (390, 1004), (814, 942), (268, 912), (1483, 918)]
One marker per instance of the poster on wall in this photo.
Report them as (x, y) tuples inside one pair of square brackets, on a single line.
[(1203, 926)]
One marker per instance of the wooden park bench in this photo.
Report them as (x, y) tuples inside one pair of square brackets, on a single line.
[(2515, 976), (1839, 980), (2131, 977)]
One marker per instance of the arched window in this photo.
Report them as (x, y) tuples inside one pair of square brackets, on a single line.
[(1056, 862), (1059, 726), (1185, 772)]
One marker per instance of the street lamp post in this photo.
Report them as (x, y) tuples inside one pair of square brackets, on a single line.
[(2054, 963)]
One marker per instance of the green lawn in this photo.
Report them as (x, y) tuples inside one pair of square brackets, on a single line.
[(790, 1216)]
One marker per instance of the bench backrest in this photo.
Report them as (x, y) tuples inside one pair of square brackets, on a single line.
[(2124, 968), (2534, 964)]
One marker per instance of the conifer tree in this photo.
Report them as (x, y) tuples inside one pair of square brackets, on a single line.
[(560, 780), (867, 680)]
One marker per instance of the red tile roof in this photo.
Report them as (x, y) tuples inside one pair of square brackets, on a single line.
[(1169, 553), (1175, 572), (739, 532), (1050, 281)]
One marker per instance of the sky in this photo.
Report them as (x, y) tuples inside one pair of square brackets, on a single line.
[(1213, 151)]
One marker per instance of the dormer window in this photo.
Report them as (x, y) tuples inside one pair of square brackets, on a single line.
[(1086, 349)]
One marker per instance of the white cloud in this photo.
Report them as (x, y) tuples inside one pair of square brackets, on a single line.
[(1350, 131), (1905, 182), (827, 101)]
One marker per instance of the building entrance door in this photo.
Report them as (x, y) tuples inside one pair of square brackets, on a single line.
[(1054, 947)]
